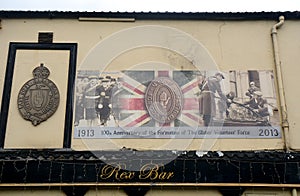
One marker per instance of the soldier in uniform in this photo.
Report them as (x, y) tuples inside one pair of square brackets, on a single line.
[(207, 103), (104, 103), (80, 88), (115, 100), (90, 97), (100, 94)]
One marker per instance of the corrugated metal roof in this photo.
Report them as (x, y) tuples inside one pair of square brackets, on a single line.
[(153, 15)]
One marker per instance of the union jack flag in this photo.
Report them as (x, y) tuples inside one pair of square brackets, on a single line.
[(133, 112)]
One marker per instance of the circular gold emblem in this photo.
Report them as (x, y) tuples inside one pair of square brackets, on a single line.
[(163, 99), (38, 98)]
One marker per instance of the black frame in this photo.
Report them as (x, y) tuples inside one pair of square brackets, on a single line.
[(13, 47)]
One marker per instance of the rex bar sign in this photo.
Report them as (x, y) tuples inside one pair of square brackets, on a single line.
[(118, 172)]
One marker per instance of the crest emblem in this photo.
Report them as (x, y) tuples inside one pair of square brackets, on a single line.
[(38, 98), (163, 99)]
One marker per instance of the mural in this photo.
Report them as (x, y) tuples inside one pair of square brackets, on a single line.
[(183, 104)]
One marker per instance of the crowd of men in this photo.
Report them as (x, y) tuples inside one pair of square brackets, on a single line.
[(94, 100)]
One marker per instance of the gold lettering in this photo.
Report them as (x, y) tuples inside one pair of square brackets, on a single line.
[(151, 171), (126, 175), (108, 171), (114, 171), (166, 175)]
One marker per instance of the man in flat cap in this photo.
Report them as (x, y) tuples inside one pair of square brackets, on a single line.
[(207, 103), (252, 88)]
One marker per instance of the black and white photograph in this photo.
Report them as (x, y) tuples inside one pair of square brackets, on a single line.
[(238, 98), (95, 98)]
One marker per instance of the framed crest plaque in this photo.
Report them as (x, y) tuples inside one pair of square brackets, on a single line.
[(45, 91)]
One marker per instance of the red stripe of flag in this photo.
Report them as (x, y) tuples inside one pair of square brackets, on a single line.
[(192, 117), (190, 104), (163, 73), (138, 120), (132, 104), (164, 124), (191, 86), (132, 88)]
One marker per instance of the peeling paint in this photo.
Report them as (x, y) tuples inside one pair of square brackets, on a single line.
[(221, 154), (201, 153)]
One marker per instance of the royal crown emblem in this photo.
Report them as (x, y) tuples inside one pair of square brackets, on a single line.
[(38, 98)]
